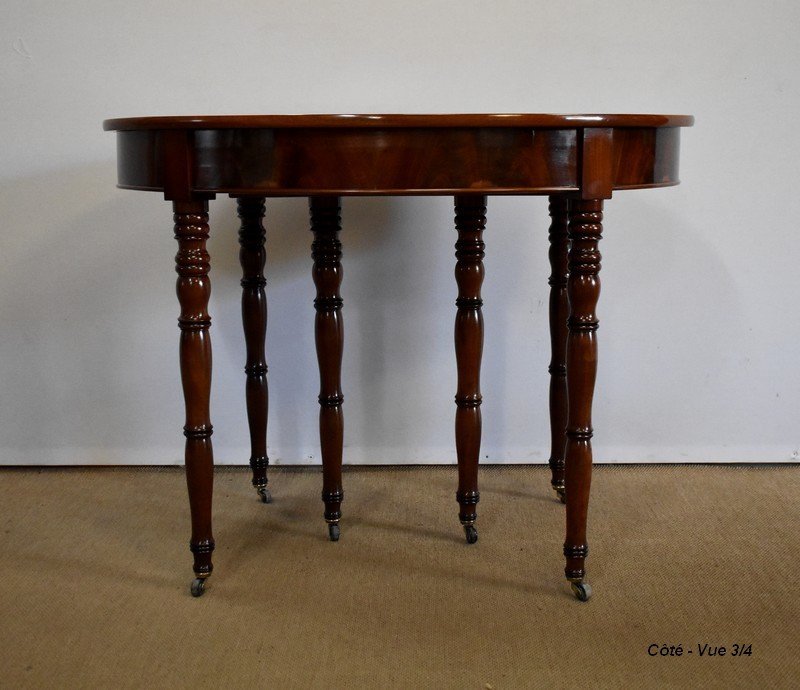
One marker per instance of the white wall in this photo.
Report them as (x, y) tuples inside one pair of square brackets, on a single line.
[(700, 320)]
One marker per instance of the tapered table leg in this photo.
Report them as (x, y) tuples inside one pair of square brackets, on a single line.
[(559, 311), (326, 251), (192, 265), (585, 230), (252, 256), (470, 221)]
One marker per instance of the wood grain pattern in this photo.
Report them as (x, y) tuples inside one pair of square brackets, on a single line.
[(296, 161)]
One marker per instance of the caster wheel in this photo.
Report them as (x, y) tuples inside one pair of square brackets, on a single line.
[(263, 492), (198, 586), (472, 533), (333, 531), (582, 590), (562, 494)]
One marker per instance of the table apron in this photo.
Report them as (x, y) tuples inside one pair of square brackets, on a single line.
[(406, 161)]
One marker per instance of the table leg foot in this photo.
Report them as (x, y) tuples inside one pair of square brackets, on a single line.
[(333, 512), (471, 533), (198, 586), (333, 531), (582, 590)]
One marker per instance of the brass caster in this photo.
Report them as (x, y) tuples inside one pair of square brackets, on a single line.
[(581, 590), (471, 534), (263, 492), (562, 494), (333, 531), (198, 586)]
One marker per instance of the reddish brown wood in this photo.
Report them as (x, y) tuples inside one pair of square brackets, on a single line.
[(585, 230), (559, 311), (489, 154), (583, 158), (193, 287), (382, 121), (470, 222), (253, 256), (596, 146), (326, 251)]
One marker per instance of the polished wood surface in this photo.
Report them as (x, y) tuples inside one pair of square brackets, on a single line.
[(253, 257), (470, 223), (577, 160), (559, 311), (583, 290), (363, 121), (192, 264), (326, 252), (425, 154)]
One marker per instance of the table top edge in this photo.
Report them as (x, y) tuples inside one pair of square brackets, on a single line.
[(366, 121)]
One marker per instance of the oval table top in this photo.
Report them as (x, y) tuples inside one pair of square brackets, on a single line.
[(540, 120)]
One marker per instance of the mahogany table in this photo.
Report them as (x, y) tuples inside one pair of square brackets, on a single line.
[(578, 160)]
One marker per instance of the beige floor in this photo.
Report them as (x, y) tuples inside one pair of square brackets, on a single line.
[(94, 575)]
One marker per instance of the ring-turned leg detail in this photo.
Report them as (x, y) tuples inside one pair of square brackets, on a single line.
[(192, 264), (559, 311), (326, 251), (252, 257), (470, 220), (585, 230)]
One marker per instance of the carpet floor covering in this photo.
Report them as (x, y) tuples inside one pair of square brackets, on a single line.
[(95, 573)]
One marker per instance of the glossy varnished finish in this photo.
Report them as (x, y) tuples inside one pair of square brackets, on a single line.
[(252, 256), (437, 154), (397, 120), (578, 160), (559, 310), (326, 251), (470, 222), (583, 287), (194, 288)]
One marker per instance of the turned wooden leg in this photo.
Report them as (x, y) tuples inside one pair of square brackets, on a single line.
[(326, 251), (193, 287), (583, 285), (252, 257), (470, 221), (559, 311)]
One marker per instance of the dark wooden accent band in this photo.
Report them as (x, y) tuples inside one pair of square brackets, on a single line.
[(206, 546), (202, 431), (333, 501)]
